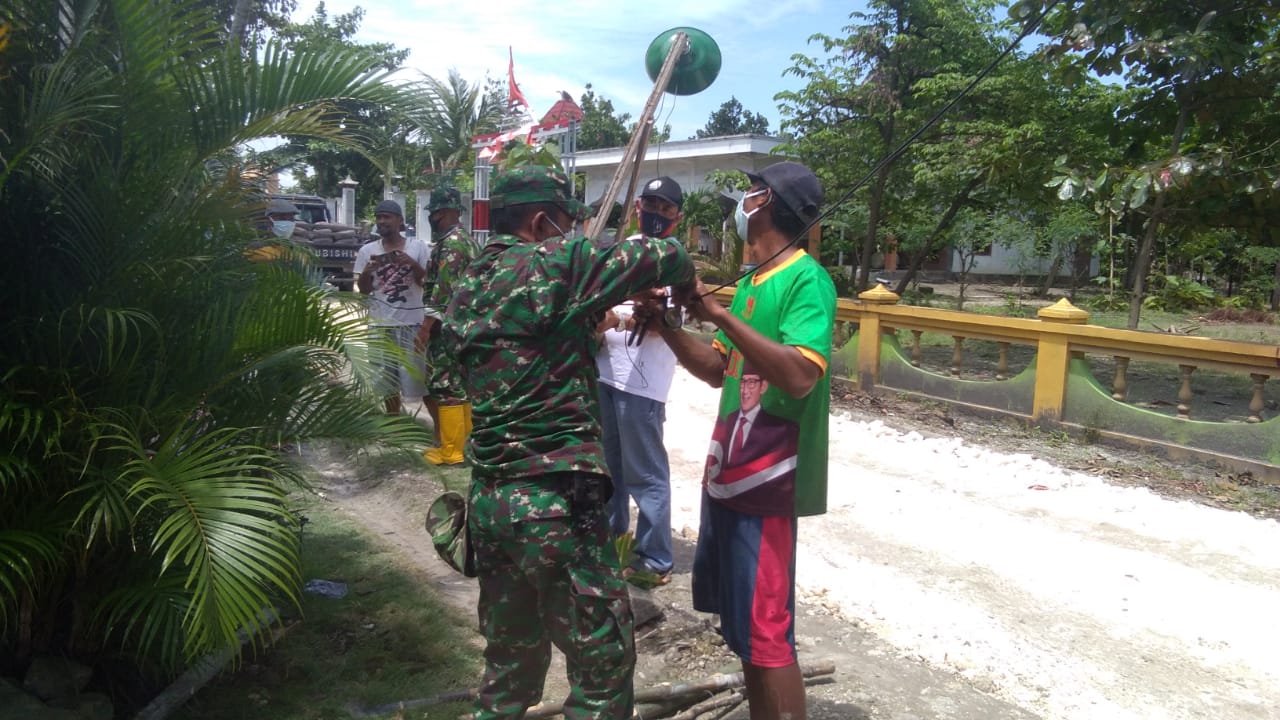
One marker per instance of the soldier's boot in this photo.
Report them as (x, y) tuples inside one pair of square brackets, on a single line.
[(453, 437)]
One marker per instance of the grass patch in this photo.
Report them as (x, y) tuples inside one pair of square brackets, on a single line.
[(389, 639)]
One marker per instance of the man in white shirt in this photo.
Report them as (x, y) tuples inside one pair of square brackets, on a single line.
[(390, 271), (635, 380)]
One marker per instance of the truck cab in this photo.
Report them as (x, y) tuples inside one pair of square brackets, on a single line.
[(333, 245)]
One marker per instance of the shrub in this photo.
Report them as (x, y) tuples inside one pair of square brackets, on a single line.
[(1171, 293)]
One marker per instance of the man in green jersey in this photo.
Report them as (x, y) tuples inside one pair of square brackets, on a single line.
[(767, 463), (521, 323)]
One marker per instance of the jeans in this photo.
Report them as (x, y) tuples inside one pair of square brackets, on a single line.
[(637, 459)]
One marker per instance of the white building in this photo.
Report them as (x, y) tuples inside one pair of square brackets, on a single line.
[(686, 161)]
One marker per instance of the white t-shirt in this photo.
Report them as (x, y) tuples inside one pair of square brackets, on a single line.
[(396, 298), (645, 369)]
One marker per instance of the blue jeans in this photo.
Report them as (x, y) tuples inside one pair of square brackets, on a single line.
[(637, 459)]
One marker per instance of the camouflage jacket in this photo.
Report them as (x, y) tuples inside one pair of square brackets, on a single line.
[(522, 326), (454, 251)]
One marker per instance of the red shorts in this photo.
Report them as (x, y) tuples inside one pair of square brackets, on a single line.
[(744, 569)]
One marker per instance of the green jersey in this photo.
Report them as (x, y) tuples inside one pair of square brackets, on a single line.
[(522, 326), (768, 452)]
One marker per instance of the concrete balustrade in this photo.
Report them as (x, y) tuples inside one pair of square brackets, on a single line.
[(1058, 389)]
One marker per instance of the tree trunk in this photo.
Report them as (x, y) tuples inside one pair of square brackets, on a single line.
[(1142, 266), (240, 19), (1275, 292), (948, 217), (1052, 275), (873, 219)]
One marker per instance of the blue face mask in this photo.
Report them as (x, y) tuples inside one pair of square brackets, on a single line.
[(742, 218), (282, 228)]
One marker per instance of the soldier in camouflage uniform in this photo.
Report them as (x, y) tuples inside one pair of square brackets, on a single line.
[(447, 403), (522, 322)]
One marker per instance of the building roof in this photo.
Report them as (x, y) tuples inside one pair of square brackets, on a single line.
[(676, 149)]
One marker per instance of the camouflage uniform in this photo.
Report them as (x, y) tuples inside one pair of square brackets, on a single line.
[(454, 251), (522, 322)]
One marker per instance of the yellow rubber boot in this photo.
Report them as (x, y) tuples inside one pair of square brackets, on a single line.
[(453, 437)]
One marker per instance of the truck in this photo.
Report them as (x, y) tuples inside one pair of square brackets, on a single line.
[(334, 245)]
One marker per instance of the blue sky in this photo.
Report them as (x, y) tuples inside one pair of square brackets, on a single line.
[(565, 44)]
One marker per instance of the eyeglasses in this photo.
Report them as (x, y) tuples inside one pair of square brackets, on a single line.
[(751, 381)]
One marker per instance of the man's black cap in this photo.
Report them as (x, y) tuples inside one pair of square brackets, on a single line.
[(389, 206), (665, 188), (795, 185)]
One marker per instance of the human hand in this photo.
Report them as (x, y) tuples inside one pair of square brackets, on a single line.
[(647, 308), (607, 323), (696, 299)]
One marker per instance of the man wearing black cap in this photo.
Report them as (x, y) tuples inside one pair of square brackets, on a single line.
[(774, 345), (390, 271), (635, 381)]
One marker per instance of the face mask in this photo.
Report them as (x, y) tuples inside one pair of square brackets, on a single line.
[(741, 218), (282, 228), (654, 225)]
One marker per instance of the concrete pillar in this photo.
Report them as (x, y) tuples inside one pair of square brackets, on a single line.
[(420, 221), (347, 205)]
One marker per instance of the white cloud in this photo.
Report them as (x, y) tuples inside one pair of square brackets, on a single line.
[(566, 44)]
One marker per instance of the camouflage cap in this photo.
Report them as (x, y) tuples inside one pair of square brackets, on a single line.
[(444, 198), (447, 526), (535, 184)]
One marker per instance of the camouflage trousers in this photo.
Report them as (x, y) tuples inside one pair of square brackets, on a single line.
[(544, 561), (444, 381)]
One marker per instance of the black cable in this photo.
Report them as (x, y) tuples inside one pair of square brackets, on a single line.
[(899, 150)]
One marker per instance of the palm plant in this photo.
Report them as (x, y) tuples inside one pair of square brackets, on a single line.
[(149, 373), (455, 111)]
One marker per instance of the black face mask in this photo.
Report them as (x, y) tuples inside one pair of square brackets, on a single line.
[(654, 225)]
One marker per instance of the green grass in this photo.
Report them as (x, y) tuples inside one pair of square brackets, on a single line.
[(389, 639)]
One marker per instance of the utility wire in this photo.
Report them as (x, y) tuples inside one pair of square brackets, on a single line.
[(901, 148)]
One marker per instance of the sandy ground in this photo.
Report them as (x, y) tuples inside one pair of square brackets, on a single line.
[(952, 582), (1063, 595)]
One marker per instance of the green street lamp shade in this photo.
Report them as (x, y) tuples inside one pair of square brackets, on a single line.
[(696, 69)]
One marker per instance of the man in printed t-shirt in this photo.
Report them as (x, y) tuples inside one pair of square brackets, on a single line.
[(767, 464)]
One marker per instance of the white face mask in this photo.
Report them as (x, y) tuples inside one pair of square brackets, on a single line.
[(741, 218), (282, 228)]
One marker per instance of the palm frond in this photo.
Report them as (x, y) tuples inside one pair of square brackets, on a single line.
[(221, 524)]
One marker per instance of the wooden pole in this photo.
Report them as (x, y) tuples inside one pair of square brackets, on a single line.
[(679, 46), (628, 207)]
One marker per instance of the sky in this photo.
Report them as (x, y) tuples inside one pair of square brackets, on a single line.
[(566, 44)]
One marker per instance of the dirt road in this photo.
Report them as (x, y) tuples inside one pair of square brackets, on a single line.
[(1059, 593), (952, 582)]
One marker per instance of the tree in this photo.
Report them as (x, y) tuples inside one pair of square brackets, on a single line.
[(867, 95), (732, 119), (152, 372), (1204, 75), (456, 112), (602, 128), (387, 133)]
